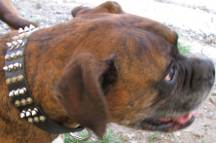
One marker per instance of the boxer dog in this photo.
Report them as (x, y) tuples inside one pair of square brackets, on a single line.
[(106, 65)]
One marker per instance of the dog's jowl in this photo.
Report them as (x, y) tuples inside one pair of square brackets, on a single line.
[(102, 66)]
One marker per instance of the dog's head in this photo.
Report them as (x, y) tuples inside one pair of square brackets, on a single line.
[(127, 69)]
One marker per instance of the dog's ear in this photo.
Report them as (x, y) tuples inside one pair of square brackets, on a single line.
[(79, 10), (80, 90), (106, 7)]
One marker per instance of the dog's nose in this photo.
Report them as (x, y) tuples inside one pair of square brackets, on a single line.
[(203, 73), (211, 69)]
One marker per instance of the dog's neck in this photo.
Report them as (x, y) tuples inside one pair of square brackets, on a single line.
[(10, 123)]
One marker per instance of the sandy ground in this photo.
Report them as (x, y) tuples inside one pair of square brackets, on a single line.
[(194, 20)]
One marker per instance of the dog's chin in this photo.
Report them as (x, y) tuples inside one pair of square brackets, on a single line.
[(168, 124)]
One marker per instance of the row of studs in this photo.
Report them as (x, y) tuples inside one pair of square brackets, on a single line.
[(15, 79), (17, 92), (31, 116), (23, 102), (26, 29), (14, 55), (12, 67), (15, 44)]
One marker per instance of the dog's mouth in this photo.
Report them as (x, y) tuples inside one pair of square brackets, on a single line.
[(168, 124)]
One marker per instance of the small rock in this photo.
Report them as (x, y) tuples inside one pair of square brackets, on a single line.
[(213, 100), (178, 134)]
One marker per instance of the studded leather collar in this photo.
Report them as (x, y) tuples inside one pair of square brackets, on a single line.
[(18, 90)]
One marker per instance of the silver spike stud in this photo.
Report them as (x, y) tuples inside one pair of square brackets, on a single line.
[(11, 93), (42, 118), (33, 112), (5, 68), (36, 109), (22, 91), (16, 92), (20, 30), (13, 56), (7, 57), (22, 115), (10, 67), (9, 44), (15, 43), (26, 28), (28, 114), (20, 41), (19, 53), (17, 65), (31, 27)]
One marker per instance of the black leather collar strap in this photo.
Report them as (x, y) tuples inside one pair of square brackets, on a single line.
[(18, 89)]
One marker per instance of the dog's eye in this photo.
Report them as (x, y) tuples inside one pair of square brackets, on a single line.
[(170, 75)]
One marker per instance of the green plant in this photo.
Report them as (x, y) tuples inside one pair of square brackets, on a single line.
[(183, 48), (109, 137), (154, 137)]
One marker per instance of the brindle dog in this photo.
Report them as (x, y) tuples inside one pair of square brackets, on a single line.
[(106, 65)]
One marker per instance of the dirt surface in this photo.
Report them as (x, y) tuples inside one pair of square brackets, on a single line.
[(194, 20)]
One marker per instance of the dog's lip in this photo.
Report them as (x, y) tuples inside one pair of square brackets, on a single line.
[(168, 124)]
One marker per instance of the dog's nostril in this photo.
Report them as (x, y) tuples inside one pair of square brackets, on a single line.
[(213, 72)]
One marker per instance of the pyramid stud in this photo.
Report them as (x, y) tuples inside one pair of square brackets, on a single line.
[(30, 120), (36, 119), (42, 118), (22, 115), (23, 102), (29, 100), (20, 30), (17, 103), (8, 81), (19, 78)]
